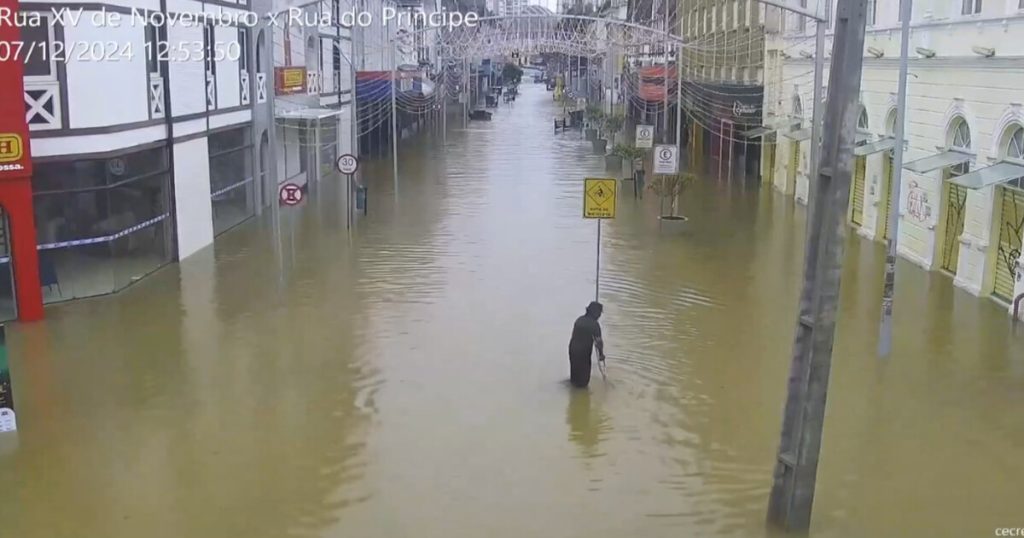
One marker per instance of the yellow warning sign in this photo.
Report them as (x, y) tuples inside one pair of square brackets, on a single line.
[(598, 198)]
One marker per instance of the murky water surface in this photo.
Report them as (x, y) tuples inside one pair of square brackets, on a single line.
[(409, 380)]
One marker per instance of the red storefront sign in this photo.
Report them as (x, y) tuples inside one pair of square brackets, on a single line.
[(16, 175), (15, 160)]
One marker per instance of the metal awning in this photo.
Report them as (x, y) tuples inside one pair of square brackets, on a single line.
[(308, 113), (949, 157), (786, 122), (871, 148), (1000, 172), (757, 132), (862, 136), (800, 135)]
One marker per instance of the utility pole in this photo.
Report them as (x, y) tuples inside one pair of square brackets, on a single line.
[(792, 493), (888, 290), (819, 71)]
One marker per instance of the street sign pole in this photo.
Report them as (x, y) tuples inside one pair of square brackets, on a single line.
[(597, 270), (348, 164), (599, 200), (394, 114), (885, 327)]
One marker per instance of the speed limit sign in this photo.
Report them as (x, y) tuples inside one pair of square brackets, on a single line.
[(348, 164)]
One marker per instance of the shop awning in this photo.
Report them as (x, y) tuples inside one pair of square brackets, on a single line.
[(1000, 172), (800, 135), (871, 148), (939, 160), (308, 113), (757, 132)]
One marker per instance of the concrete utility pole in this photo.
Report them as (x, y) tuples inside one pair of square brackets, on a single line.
[(819, 71), (792, 494), (888, 290)]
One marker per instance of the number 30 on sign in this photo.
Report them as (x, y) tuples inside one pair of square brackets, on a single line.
[(599, 198)]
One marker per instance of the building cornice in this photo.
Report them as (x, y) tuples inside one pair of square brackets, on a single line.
[(916, 63)]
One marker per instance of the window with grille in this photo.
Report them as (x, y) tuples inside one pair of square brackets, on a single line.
[(211, 65), (243, 56), (970, 7), (872, 12)]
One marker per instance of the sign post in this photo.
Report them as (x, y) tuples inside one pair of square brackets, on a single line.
[(7, 419), (666, 159), (598, 203), (348, 164), (644, 136)]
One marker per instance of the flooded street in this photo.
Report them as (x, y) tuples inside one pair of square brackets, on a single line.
[(409, 379)]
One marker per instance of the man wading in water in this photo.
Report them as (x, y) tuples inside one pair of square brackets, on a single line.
[(586, 335)]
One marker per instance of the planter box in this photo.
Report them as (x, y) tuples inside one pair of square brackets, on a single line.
[(591, 134), (612, 163), (600, 146)]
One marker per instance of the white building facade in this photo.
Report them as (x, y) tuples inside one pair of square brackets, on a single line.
[(962, 208), (141, 155), (144, 153)]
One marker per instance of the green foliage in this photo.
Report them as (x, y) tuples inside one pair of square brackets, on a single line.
[(594, 112), (512, 73), (613, 123), (628, 152), (671, 186)]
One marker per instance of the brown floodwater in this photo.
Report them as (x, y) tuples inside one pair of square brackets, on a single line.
[(408, 379)]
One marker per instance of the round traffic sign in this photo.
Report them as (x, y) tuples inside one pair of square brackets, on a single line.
[(645, 133), (291, 194), (667, 153), (347, 164)]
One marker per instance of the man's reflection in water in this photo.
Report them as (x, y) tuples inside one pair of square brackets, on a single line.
[(588, 425)]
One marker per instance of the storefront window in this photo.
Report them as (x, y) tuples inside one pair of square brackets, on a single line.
[(8, 308), (231, 179), (328, 145), (101, 224)]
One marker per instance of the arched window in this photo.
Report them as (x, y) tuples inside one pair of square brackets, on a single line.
[(1015, 144), (960, 135), (862, 120), (890, 123), (1013, 150), (798, 112), (960, 138)]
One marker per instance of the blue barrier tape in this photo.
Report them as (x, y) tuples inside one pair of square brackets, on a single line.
[(103, 239), (215, 194)]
